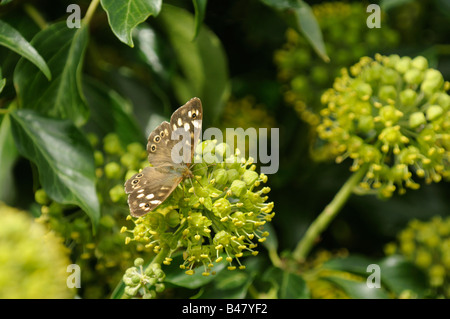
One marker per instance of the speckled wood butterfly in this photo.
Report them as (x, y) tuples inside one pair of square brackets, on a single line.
[(150, 187)]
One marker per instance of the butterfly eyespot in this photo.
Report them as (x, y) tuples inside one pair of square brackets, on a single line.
[(139, 175), (153, 148), (162, 133), (147, 205), (135, 181), (194, 115), (156, 139)]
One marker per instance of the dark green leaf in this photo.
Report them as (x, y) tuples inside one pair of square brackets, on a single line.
[(124, 16), (2, 2), (358, 289), (177, 276), (300, 16), (281, 4), (398, 275), (293, 286), (8, 156), (200, 8), (62, 97), (13, 40), (311, 30), (203, 64), (290, 285), (390, 4), (63, 157), (110, 113), (2, 81), (353, 263), (229, 285), (118, 291), (154, 51)]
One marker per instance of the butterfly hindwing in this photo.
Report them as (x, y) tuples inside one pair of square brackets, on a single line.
[(149, 188)]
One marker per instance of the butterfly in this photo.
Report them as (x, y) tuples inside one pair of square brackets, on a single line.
[(151, 187)]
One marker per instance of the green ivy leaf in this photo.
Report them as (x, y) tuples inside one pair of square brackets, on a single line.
[(203, 64), (177, 277), (310, 28), (229, 285), (125, 15), (2, 81), (2, 2), (62, 97), (354, 263), (387, 5), (63, 157), (8, 156), (399, 275), (300, 16), (290, 285), (358, 289), (110, 113), (13, 40), (200, 8)]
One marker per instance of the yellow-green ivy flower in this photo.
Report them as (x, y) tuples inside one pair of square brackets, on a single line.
[(218, 216), (427, 244), (33, 261), (391, 115), (305, 75)]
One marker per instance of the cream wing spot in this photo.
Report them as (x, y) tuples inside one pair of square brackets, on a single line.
[(180, 121), (155, 202), (149, 196), (186, 127)]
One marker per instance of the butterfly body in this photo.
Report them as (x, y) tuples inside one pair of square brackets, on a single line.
[(150, 187)]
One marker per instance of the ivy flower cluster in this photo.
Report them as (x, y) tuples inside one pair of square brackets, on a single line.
[(427, 244), (33, 261), (305, 76), (391, 116), (217, 216)]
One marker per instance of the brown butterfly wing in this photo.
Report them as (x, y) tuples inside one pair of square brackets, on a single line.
[(188, 118), (149, 188)]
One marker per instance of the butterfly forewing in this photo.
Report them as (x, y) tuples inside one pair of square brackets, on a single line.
[(188, 120), (150, 187)]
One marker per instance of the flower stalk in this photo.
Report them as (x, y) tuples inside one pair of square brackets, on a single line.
[(327, 215)]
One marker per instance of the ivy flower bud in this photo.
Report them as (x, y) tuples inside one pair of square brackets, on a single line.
[(238, 188), (250, 177)]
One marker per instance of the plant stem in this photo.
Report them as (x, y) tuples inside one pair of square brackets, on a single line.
[(326, 216), (35, 15), (274, 258), (90, 11)]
